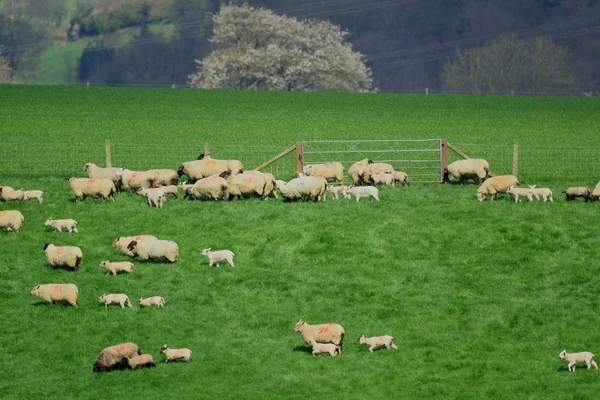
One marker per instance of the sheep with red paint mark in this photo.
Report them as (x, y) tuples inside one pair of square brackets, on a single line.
[(111, 357), (57, 293), (306, 187), (206, 166), (11, 220), (336, 191), (322, 333), (134, 180), (68, 257), (96, 172), (96, 188), (214, 187), (332, 171)]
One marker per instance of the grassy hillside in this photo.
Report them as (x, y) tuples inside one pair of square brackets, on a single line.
[(481, 297)]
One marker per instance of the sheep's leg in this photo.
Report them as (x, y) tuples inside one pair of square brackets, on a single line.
[(572, 366), (594, 363), (394, 345), (387, 346), (230, 262), (371, 348)]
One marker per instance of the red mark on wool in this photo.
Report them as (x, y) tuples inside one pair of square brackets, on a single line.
[(323, 329), (60, 250), (57, 288), (90, 181)]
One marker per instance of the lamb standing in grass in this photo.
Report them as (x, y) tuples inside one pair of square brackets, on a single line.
[(11, 220), (330, 348), (116, 298), (337, 190), (364, 191), (59, 224), (155, 300), (57, 293), (176, 354), (574, 358), (218, 256), (323, 333), (156, 199), (545, 193), (517, 193), (115, 267), (376, 341), (66, 256), (33, 195), (144, 360)]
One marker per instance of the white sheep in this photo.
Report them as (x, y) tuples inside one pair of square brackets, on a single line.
[(578, 191), (206, 166), (310, 187), (574, 358), (122, 242), (218, 256), (323, 333), (66, 256), (476, 168), (96, 172), (116, 267), (214, 187), (363, 191), (59, 224), (337, 190), (116, 298), (280, 184), (270, 183), (376, 341), (154, 249), (134, 180), (156, 198), (33, 195), (9, 194), (11, 220), (359, 172), (517, 193), (84, 187), (329, 170), (249, 184), (163, 177), (402, 177), (330, 348), (57, 293), (143, 360), (495, 185), (168, 189), (176, 354), (155, 300), (383, 178), (545, 193), (112, 357)]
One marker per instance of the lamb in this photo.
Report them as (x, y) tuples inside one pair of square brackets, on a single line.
[(115, 298), (495, 185), (57, 293), (249, 185), (519, 192), (156, 300), (323, 333), (144, 360), (330, 348), (578, 191), (310, 187), (476, 168), (176, 354), (96, 172), (363, 191), (11, 220), (116, 267), (596, 192), (574, 358), (376, 341), (67, 256), (133, 180), (112, 357), (156, 198), (154, 249), (163, 177), (205, 166), (214, 187), (218, 256), (402, 177), (545, 193), (331, 171), (359, 172), (59, 224), (84, 187), (170, 189), (337, 190), (9, 194), (33, 194), (122, 242), (383, 178)]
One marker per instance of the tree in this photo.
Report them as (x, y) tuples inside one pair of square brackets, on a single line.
[(509, 64), (7, 74), (262, 50)]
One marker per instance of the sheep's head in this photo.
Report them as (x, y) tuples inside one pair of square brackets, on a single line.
[(180, 171), (119, 172), (562, 354), (140, 300), (205, 252), (35, 290), (164, 348), (86, 167), (510, 189), (103, 264), (480, 196), (299, 325), (131, 245), (102, 298), (48, 221), (46, 245), (201, 157), (114, 243), (362, 339), (225, 174)]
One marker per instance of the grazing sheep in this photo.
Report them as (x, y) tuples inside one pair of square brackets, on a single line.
[(112, 357), (134, 180), (144, 360), (476, 168), (280, 185), (218, 256), (305, 187), (359, 172), (58, 224), (154, 249), (270, 183), (115, 298), (57, 293), (249, 184), (122, 242), (323, 333), (163, 177), (116, 267), (517, 193), (337, 190), (206, 166), (363, 191), (578, 191), (156, 300), (383, 178), (495, 185), (96, 172), (9, 194), (84, 187), (574, 358), (11, 220), (379, 168), (33, 194), (402, 177), (545, 193), (376, 341), (330, 348), (332, 171), (596, 192), (66, 256), (176, 354), (214, 187)]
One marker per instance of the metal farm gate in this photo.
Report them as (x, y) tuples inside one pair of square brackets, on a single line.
[(422, 160)]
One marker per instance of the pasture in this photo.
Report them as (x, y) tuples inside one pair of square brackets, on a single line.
[(480, 297)]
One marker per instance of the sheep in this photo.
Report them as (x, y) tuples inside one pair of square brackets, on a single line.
[(596, 192), (163, 177), (383, 178), (545, 193), (96, 172), (330, 348), (66, 256), (112, 357), (143, 360), (156, 198), (519, 192), (376, 341), (187, 189), (359, 172), (495, 185), (176, 354), (205, 166), (249, 184), (218, 256), (402, 177), (476, 168), (363, 191), (379, 168), (280, 184), (578, 191), (323, 333), (33, 194), (115, 298), (154, 249), (57, 293), (122, 242), (574, 358), (337, 190), (270, 183), (332, 171), (214, 187), (167, 190), (116, 267), (133, 180), (9, 194), (156, 300), (58, 224), (311, 187), (11, 220), (84, 187)]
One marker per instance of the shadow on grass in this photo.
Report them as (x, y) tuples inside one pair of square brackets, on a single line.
[(305, 349)]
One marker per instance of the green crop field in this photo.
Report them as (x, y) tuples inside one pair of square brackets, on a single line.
[(480, 297)]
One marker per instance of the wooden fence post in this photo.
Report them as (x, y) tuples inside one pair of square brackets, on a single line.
[(516, 160), (444, 158), (206, 149), (426, 90), (107, 152), (299, 157)]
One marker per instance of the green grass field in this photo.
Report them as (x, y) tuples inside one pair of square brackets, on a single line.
[(480, 297)]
